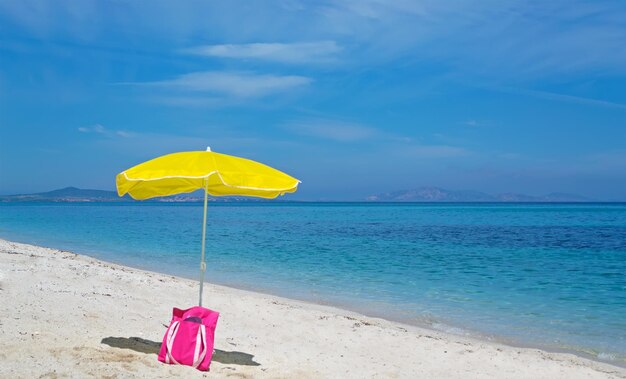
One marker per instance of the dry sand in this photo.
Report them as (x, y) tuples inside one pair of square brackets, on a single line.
[(66, 315)]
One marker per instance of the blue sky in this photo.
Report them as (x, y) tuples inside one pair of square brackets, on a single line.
[(352, 97)]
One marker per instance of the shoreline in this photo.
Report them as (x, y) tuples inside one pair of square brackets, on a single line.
[(403, 350), (443, 326)]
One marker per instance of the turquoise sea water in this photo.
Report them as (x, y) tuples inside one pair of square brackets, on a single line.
[(552, 275)]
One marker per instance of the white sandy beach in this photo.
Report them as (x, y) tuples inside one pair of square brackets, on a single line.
[(64, 315)]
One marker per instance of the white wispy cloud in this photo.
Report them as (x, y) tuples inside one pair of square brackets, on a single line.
[(505, 38), (96, 128), (157, 143), (561, 97), (299, 52), (123, 133), (232, 83), (205, 102), (99, 129), (437, 151), (516, 39), (513, 39), (331, 129)]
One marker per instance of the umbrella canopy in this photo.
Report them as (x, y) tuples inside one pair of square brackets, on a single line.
[(218, 174)]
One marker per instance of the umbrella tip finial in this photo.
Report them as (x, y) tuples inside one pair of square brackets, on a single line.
[(208, 148)]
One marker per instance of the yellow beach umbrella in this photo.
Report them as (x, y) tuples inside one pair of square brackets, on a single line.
[(217, 174)]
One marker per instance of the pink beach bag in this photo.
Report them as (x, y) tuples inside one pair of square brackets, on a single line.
[(189, 338)]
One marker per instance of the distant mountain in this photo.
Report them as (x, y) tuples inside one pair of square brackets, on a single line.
[(69, 194), (423, 194), (78, 195), (434, 194)]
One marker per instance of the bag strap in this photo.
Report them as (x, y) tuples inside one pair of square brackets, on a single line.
[(200, 340), (171, 335), (198, 355)]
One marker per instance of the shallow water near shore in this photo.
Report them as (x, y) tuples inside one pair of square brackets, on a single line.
[(552, 275)]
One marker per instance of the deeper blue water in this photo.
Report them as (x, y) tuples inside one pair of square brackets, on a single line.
[(551, 275)]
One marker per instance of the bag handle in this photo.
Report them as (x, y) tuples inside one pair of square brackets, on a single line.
[(198, 355), (200, 340), (171, 335)]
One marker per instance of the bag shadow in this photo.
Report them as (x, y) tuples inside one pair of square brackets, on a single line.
[(145, 346)]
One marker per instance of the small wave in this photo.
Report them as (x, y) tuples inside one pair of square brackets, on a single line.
[(607, 357), (451, 329)]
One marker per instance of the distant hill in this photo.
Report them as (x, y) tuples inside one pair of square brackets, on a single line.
[(69, 194), (422, 194), (434, 194), (78, 195)]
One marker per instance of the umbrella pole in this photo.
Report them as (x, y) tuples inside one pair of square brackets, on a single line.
[(202, 262)]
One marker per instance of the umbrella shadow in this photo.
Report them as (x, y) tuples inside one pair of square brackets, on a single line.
[(145, 346)]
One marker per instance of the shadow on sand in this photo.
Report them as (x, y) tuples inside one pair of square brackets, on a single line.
[(150, 347)]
